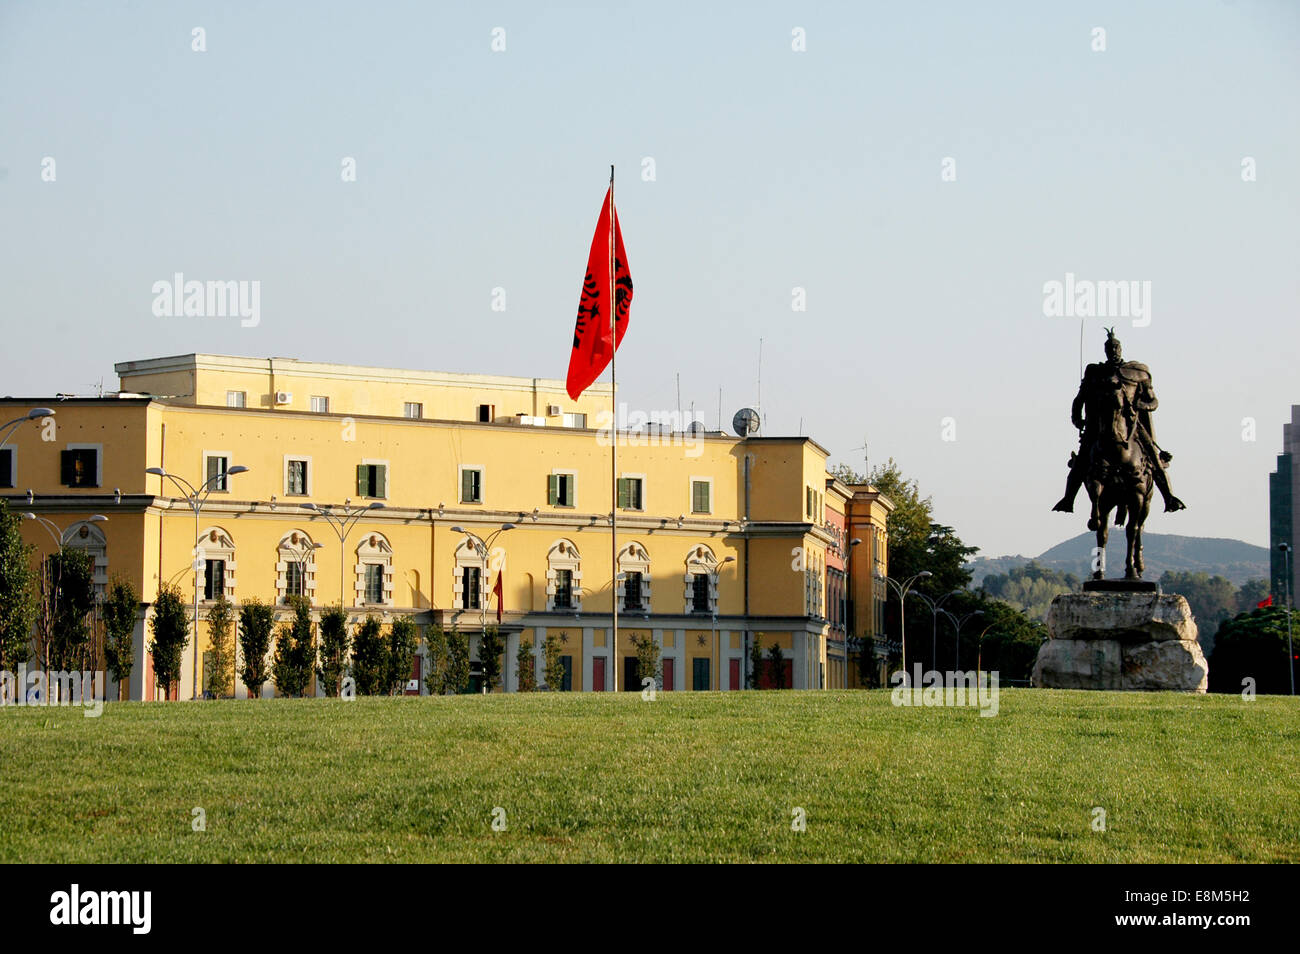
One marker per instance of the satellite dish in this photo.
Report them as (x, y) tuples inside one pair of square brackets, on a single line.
[(745, 422)]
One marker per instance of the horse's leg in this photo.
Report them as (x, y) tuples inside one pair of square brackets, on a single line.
[(1103, 532), (1095, 521), (1131, 531)]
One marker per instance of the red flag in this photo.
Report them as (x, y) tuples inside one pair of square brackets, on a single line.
[(497, 590), (1262, 604), (591, 345)]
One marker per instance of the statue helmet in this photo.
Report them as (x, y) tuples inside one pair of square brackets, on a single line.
[(1112, 343)]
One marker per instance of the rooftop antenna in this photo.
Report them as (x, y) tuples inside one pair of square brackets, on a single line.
[(866, 469), (719, 408), (758, 404), (679, 398)]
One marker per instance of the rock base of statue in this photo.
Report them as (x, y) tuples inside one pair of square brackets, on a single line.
[(1116, 638)]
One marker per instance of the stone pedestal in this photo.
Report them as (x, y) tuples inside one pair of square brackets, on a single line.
[(1118, 639)]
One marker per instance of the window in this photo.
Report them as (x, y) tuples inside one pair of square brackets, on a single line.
[(566, 682), (701, 496), (374, 583), (294, 578), (563, 589), (372, 480), (632, 591), (630, 493), (236, 399), (471, 485), (700, 602), (214, 579), (297, 476), (295, 567), (807, 501), (79, 467), (700, 680), (7, 476), (472, 587), (413, 410), (486, 412), (320, 404), (575, 420), (215, 467), (562, 490)]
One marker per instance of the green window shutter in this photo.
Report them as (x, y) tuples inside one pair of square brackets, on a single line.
[(624, 493), (381, 481), (363, 481), (67, 468), (700, 496), (465, 487), (553, 489)]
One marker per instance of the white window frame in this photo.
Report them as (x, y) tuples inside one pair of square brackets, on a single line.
[(482, 485), (634, 558), (243, 399), (644, 482), (406, 410), (373, 550), (311, 470), (566, 416), (690, 494), (99, 461), (285, 555), (204, 468), (95, 546), (563, 555), (223, 548), (312, 399), (388, 476), (567, 473), (701, 559), (468, 555)]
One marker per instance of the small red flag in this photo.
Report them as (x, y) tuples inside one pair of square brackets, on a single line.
[(1265, 603), (592, 349), (497, 590)]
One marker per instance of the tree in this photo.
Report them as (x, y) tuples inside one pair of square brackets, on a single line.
[(120, 609), (1252, 593), (458, 662), (171, 634), (221, 673), (490, 649), (334, 644), (553, 651), (256, 621), (1010, 644), (18, 609), (868, 669), (435, 660), (403, 640), (1030, 588), (1213, 599), (1252, 646), (756, 662), (369, 657), (295, 650), (776, 666), (527, 666), (647, 659)]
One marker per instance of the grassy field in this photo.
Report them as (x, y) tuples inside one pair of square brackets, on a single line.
[(688, 777)]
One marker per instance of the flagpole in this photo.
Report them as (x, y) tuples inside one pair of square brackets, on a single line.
[(613, 465)]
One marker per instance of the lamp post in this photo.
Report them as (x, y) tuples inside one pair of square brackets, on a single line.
[(341, 521), (902, 589), (57, 534), (956, 663), (34, 414), (844, 615), (935, 610), (717, 572), (484, 549), (979, 649), (196, 497), (301, 551), (1290, 653)]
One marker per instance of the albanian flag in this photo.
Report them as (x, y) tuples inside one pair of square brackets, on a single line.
[(497, 591), (592, 349), (1264, 604)]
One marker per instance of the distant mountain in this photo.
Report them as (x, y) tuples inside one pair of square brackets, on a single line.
[(1234, 559)]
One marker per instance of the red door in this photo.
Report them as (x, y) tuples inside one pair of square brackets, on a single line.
[(415, 675), (733, 674), (668, 675), (598, 674)]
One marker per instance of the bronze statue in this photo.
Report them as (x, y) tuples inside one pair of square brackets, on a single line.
[(1118, 458)]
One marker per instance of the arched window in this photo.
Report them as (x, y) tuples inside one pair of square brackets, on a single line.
[(86, 536), (634, 589), (216, 548), (701, 580), (563, 578), (295, 567), (374, 583), (470, 587)]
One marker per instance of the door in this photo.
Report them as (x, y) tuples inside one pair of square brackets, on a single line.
[(630, 681), (733, 673), (700, 675), (598, 674), (413, 684), (669, 674)]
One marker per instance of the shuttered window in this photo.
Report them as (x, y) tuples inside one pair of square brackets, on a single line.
[(563, 589), (630, 493), (372, 480), (78, 468), (700, 502), (214, 579), (216, 472), (632, 591), (471, 486), (471, 588), (561, 489)]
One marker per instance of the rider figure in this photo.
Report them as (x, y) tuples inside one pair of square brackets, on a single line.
[(1103, 380)]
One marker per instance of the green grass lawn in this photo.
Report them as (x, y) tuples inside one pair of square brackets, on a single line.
[(688, 777)]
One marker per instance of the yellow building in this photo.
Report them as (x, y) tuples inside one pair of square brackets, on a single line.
[(721, 539)]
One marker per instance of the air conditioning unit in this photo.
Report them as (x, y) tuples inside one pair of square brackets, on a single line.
[(553, 410), (283, 397)]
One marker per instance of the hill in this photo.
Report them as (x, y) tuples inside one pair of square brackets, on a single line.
[(1234, 559)]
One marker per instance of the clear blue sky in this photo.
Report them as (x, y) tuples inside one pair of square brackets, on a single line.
[(775, 169)]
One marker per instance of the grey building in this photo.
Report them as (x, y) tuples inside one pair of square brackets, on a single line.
[(1283, 494)]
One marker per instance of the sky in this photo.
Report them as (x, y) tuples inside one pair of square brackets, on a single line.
[(912, 175)]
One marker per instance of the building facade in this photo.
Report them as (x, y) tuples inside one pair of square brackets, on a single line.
[(387, 491), (1283, 492)]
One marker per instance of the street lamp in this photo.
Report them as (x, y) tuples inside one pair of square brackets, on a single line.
[(1290, 653), (979, 650), (301, 552), (483, 548), (956, 663), (57, 534), (32, 415), (935, 610), (341, 521), (196, 497), (901, 589), (717, 572)]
